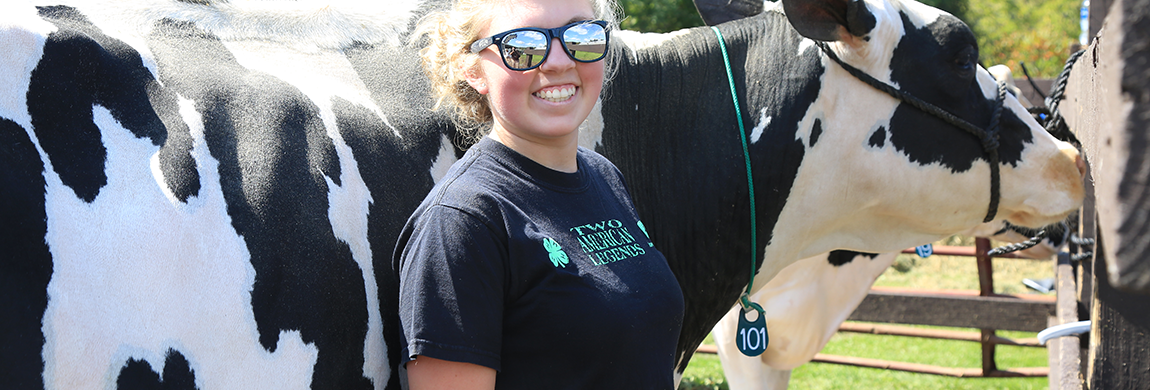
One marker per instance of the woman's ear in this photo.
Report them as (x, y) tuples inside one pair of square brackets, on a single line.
[(475, 79)]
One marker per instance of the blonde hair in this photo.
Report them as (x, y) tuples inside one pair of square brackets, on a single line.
[(447, 58)]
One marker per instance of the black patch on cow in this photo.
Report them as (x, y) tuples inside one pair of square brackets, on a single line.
[(386, 157), (816, 131), (82, 67), (25, 262), (860, 21), (839, 258), (685, 167), (274, 157), (176, 162), (138, 374), (878, 138), (946, 45)]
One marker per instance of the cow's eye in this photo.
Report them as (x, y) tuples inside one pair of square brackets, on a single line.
[(965, 60)]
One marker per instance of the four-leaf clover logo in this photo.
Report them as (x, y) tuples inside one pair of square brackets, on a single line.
[(555, 252)]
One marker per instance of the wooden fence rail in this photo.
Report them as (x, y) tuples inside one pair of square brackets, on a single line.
[(981, 309)]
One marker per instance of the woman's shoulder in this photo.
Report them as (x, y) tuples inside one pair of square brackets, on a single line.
[(473, 183), (597, 162)]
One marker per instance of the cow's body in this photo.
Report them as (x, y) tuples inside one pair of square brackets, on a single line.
[(188, 198)]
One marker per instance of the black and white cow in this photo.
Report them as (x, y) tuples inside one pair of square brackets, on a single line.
[(206, 194)]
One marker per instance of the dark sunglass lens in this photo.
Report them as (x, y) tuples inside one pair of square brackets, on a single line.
[(524, 49), (586, 42)]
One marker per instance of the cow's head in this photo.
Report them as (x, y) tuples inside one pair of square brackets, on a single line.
[(882, 159)]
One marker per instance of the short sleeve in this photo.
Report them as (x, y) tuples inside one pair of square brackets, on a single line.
[(451, 289)]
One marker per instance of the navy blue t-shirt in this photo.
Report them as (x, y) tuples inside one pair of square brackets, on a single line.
[(548, 277)]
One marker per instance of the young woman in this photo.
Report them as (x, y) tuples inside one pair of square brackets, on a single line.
[(527, 267)]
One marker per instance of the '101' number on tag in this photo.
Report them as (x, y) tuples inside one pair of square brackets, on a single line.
[(752, 339)]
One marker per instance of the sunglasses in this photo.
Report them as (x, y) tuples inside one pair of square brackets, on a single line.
[(526, 48)]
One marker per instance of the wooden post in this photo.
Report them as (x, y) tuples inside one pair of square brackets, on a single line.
[(986, 289), (1108, 106), (1119, 356), (1065, 368)]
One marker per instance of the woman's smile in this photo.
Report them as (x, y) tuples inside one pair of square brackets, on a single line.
[(556, 94)]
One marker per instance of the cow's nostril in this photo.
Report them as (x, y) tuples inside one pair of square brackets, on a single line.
[(1073, 154)]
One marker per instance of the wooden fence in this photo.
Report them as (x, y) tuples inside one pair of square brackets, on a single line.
[(1108, 107), (982, 310)]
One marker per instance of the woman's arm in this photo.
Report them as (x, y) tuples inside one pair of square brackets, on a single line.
[(430, 373)]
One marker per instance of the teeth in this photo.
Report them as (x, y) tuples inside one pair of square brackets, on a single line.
[(556, 95)]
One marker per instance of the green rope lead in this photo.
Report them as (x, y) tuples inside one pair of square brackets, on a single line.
[(745, 300)]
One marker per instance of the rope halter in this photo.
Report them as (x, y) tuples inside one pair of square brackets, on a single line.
[(988, 137)]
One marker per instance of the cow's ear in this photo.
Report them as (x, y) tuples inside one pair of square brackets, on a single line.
[(829, 20)]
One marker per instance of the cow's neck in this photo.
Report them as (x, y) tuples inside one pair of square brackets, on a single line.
[(690, 184)]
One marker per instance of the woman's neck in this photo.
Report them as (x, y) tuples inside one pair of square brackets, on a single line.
[(555, 153)]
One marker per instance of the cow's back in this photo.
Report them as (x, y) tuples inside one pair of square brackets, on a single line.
[(191, 205)]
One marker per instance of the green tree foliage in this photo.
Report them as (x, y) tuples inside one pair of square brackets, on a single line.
[(954, 7), (659, 15), (1037, 32)]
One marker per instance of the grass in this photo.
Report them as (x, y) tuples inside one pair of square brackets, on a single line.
[(935, 272)]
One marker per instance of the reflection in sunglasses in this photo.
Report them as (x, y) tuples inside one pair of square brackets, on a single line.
[(526, 48)]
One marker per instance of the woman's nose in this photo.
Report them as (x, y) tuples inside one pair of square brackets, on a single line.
[(557, 59)]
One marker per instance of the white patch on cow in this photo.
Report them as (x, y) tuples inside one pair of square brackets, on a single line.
[(679, 375), (134, 276), (349, 205), (637, 41), (872, 55), (764, 121), (22, 35), (919, 14), (806, 127), (989, 85), (331, 24), (591, 130), (319, 74), (443, 160), (804, 45)]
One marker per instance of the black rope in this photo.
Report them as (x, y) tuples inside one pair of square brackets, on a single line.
[(1031, 80), (1081, 256), (988, 137), (992, 135), (1082, 242), (1056, 125), (1042, 234)]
